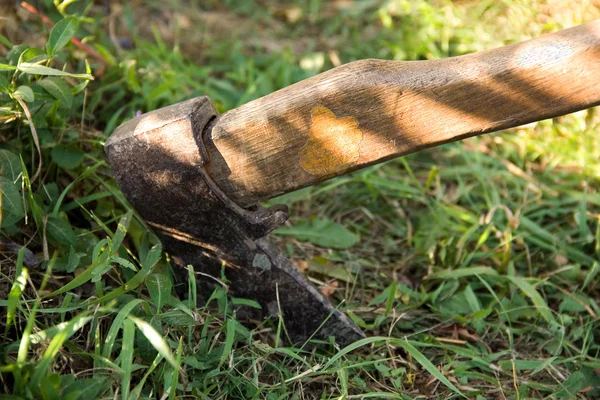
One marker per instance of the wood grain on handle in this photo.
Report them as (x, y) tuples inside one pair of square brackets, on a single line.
[(370, 111)]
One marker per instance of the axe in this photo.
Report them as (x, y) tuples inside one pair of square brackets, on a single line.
[(197, 178)]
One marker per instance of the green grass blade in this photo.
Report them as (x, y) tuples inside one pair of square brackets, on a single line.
[(73, 326), (121, 231), (70, 186), (127, 356), (26, 336), (351, 347), (84, 200), (416, 354), (101, 261), (425, 363), (229, 339), (342, 375), (15, 294), (116, 325), (463, 272), (133, 283), (37, 69), (543, 238), (175, 372), (535, 297), (192, 290), (157, 341), (104, 362), (48, 333), (591, 275), (136, 392)]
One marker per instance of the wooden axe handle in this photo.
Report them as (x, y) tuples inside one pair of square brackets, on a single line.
[(369, 111)]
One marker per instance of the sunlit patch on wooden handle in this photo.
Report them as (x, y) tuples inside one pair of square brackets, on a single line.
[(333, 144)]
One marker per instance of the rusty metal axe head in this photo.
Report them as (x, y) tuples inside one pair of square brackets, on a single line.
[(159, 162)]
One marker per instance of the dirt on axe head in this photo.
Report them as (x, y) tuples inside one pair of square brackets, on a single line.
[(195, 177)]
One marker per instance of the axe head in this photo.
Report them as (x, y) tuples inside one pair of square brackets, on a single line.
[(158, 160)]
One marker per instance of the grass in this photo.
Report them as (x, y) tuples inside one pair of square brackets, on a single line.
[(472, 267)]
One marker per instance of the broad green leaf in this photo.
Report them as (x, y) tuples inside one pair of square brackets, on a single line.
[(50, 386), (61, 230), (153, 256), (49, 193), (11, 203), (24, 93), (59, 89), (84, 389), (570, 387), (157, 341), (516, 308), (68, 157), (10, 165), (245, 302), (159, 286), (4, 85), (457, 304), (101, 253), (177, 318), (322, 232), (573, 303), (33, 55), (73, 260), (339, 272), (123, 262), (36, 69), (180, 306), (61, 34)]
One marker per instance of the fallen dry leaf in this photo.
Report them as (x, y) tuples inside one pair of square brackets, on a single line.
[(330, 288)]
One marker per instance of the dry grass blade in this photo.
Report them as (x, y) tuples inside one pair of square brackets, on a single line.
[(35, 138)]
